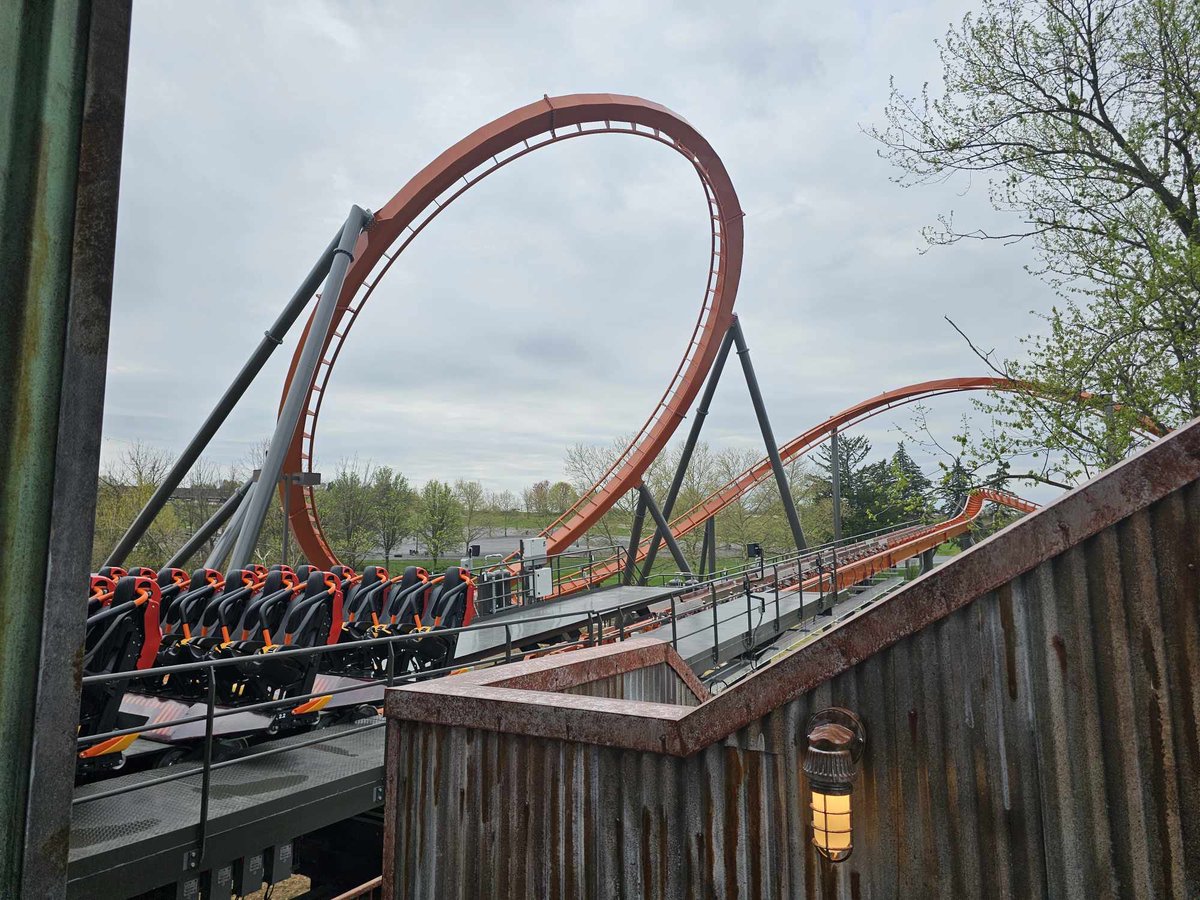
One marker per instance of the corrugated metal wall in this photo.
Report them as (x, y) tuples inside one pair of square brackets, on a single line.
[(654, 684), (1041, 741)]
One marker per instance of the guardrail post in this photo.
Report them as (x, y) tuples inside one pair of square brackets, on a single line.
[(776, 568), (507, 642), (206, 776), (712, 588), (749, 613), (674, 629)]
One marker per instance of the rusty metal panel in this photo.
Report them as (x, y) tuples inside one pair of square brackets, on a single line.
[(654, 684), (1039, 741)]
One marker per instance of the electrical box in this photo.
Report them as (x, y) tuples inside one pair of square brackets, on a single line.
[(188, 888), (543, 582), (248, 875), (533, 551), (218, 882), (278, 863)]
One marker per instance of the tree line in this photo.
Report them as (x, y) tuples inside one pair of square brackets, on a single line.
[(367, 511)]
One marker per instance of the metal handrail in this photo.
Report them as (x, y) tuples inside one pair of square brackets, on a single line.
[(705, 591)]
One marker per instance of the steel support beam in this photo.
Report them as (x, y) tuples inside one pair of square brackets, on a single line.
[(271, 339), (661, 521), (225, 542), (293, 405), (62, 89), (635, 538), (835, 472), (209, 528), (689, 447), (764, 424), (710, 532), (700, 570), (927, 560)]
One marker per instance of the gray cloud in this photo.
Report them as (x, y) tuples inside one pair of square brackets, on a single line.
[(577, 271)]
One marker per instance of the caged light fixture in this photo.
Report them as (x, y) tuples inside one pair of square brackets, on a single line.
[(836, 739)]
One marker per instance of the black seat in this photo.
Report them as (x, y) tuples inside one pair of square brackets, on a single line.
[(302, 573), (264, 614), (365, 601), (100, 593), (222, 614), (171, 582), (452, 602), (316, 617), (346, 575), (123, 637), (183, 613), (451, 605), (310, 620), (407, 600)]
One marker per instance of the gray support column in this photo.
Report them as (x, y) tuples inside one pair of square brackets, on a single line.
[(293, 405), (635, 538), (209, 528), (704, 551), (271, 339), (661, 521), (927, 560), (62, 86), (764, 424), (836, 475), (710, 528), (689, 447), (228, 536)]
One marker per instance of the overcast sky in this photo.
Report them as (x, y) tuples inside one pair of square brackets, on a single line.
[(252, 127)]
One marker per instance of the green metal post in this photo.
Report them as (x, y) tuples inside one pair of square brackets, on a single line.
[(62, 108)]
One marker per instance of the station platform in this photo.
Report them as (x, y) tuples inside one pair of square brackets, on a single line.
[(527, 624), (136, 841)]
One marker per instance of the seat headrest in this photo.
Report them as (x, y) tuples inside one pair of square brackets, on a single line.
[(101, 585), (168, 577), (454, 575), (278, 579), (412, 575), (137, 588), (113, 572), (239, 578), (321, 581), (372, 574), (203, 577)]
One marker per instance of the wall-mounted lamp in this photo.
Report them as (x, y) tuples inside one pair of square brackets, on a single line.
[(836, 739)]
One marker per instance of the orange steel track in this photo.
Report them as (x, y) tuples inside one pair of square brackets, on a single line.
[(858, 562), (912, 543), (476, 156), (796, 447), (800, 445)]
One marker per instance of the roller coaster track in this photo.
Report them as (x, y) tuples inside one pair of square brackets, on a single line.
[(431, 190), (742, 484), (513, 136), (824, 572)]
